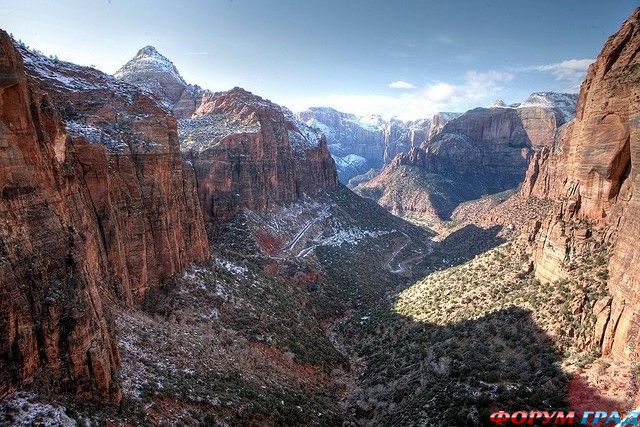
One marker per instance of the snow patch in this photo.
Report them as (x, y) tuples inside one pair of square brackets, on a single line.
[(232, 268), (23, 409)]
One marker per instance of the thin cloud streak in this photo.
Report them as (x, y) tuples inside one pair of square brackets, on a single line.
[(401, 84), (571, 71)]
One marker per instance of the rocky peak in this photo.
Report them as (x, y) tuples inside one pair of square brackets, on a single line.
[(156, 74), (147, 60)]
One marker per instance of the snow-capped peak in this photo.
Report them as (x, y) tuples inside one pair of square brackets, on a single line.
[(149, 60), (149, 51), (565, 103)]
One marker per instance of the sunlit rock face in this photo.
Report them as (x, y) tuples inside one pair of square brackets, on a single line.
[(481, 152), (246, 151), (97, 208), (592, 172)]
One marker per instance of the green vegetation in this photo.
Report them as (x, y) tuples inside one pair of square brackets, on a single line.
[(477, 337)]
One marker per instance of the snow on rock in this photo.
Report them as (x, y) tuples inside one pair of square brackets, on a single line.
[(155, 74), (350, 236), (149, 59), (94, 135), (24, 409), (301, 136), (232, 268), (350, 161), (207, 131), (565, 103), (72, 77)]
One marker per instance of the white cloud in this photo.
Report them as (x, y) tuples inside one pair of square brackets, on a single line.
[(475, 89), (400, 84), (571, 69)]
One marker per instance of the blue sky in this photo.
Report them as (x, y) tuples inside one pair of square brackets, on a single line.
[(404, 58)]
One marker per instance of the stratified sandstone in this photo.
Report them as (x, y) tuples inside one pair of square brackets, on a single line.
[(126, 147), (53, 328), (592, 173), (483, 151), (249, 152), (97, 207)]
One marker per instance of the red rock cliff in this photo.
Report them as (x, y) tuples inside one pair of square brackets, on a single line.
[(250, 152), (97, 206), (592, 172)]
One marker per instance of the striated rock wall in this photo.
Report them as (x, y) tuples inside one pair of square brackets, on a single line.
[(592, 173), (127, 152), (97, 206), (249, 152), (52, 264), (481, 152)]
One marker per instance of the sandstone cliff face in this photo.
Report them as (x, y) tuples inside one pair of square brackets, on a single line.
[(484, 151), (52, 266), (142, 192), (97, 206), (249, 152), (592, 173)]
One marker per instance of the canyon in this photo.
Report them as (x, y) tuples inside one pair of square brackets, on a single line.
[(174, 255), (481, 152), (359, 144)]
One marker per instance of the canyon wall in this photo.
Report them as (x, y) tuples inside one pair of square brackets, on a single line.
[(481, 152), (251, 153), (97, 207), (247, 152), (591, 171)]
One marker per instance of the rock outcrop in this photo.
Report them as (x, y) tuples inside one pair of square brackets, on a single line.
[(592, 173), (97, 207), (483, 151), (247, 152)]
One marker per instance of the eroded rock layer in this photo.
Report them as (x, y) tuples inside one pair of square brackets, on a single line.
[(97, 207), (249, 152), (592, 173)]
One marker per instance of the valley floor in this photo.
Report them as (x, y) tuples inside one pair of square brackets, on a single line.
[(320, 314)]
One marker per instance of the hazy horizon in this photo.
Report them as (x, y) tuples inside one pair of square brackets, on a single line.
[(406, 60)]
